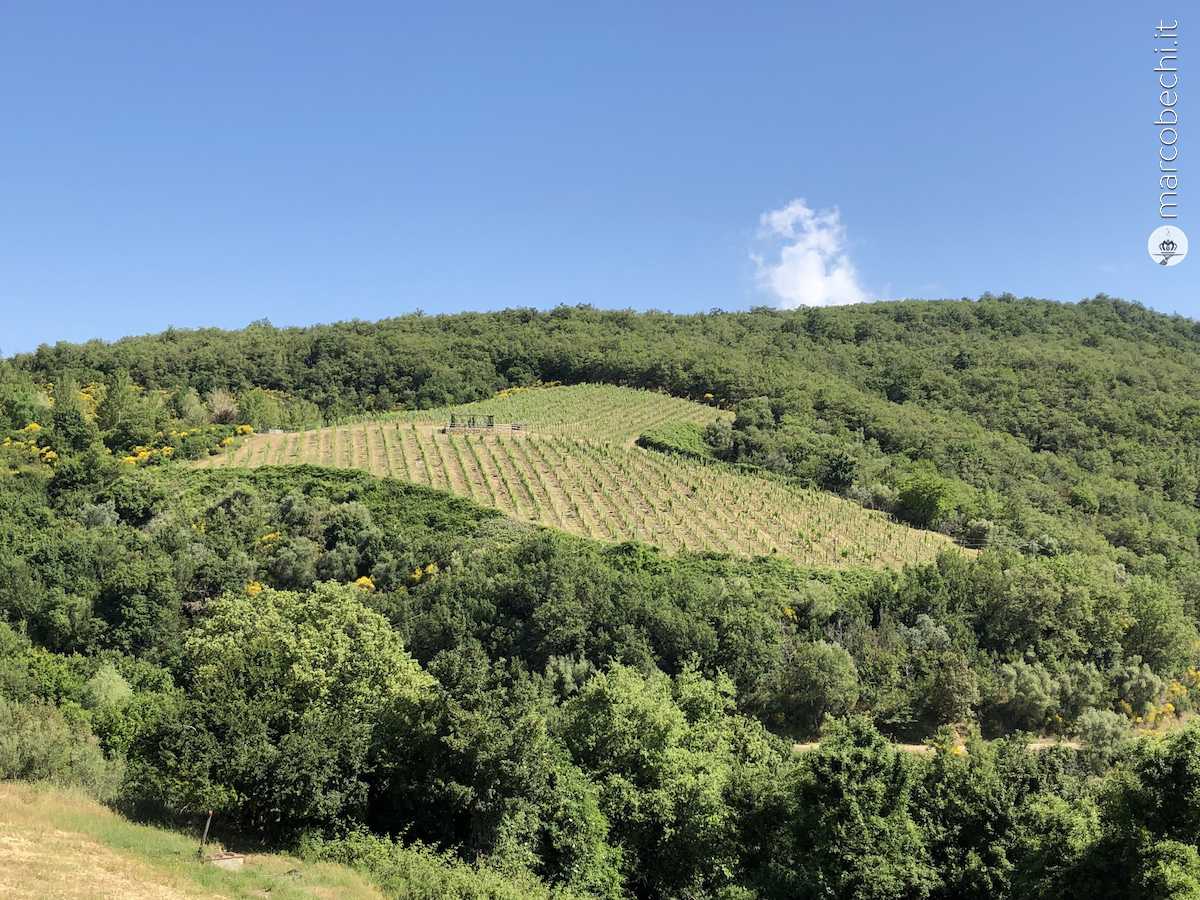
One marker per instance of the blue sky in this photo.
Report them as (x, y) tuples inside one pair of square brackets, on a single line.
[(309, 162)]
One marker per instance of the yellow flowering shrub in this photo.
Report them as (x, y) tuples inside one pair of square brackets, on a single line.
[(253, 588), (509, 392), (419, 574), (365, 582), (244, 429)]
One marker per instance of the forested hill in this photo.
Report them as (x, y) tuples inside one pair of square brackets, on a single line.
[(908, 350), (369, 671), (1052, 427)]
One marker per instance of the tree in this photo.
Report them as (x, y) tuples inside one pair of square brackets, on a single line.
[(1161, 633), (73, 430), (947, 690), (122, 416), (813, 680), (667, 762), (1161, 797), (1170, 871), (487, 773), (925, 499), (967, 801), (850, 833), (286, 699)]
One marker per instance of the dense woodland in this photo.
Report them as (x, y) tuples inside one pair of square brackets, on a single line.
[(381, 674)]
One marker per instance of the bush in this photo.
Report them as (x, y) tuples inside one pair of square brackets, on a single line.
[(419, 872), (106, 689), (222, 407), (925, 499), (37, 743), (1104, 735)]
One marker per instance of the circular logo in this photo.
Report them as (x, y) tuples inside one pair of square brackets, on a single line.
[(1167, 245)]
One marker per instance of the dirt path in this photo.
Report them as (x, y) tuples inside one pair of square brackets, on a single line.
[(1037, 745)]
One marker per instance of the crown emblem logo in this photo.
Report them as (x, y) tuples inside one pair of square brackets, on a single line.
[(1166, 250), (1168, 245)]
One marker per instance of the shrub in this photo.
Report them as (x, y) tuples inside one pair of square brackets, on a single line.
[(106, 689), (37, 743), (1104, 735), (1137, 687), (419, 872), (222, 407), (925, 499)]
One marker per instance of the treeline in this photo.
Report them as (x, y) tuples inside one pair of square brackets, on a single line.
[(423, 361)]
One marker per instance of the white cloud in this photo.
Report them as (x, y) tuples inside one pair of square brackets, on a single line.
[(806, 263)]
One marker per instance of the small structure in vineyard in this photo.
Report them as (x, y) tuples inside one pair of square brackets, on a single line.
[(478, 423)]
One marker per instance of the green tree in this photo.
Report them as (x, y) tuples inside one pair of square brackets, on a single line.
[(925, 499), (667, 765), (813, 680), (73, 431), (286, 696), (851, 832), (1170, 871)]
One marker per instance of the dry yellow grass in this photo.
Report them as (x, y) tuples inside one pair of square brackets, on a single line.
[(575, 467), (59, 844)]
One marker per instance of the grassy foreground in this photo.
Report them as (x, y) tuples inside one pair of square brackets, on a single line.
[(574, 467), (59, 843)]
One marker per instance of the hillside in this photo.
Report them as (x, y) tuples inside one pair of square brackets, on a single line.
[(573, 466), (377, 660), (1057, 427)]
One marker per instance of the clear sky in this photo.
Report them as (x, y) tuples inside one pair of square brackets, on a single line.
[(216, 163)]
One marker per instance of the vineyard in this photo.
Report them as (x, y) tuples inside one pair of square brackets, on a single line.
[(596, 412), (574, 467)]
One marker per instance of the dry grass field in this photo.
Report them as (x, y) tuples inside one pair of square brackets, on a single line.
[(574, 467), (58, 843)]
